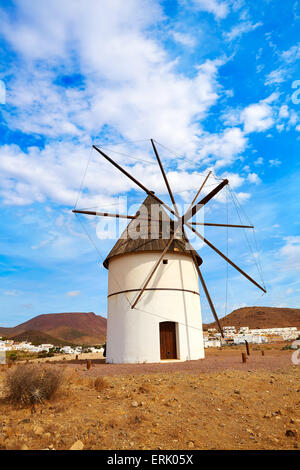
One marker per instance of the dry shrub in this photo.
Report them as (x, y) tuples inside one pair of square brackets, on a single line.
[(29, 384), (100, 384)]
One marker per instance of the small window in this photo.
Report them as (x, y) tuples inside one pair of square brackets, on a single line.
[(165, 261)]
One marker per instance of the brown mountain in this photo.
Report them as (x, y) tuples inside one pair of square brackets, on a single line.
[(38, 337), (260, 317), (75, 327)]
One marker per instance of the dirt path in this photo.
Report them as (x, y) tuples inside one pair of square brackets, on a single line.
[(217, 360)]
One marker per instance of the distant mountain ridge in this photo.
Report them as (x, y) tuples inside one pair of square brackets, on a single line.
[(71, 327), (38, 337), (260, 317)]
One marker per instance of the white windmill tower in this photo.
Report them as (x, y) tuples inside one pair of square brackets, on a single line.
[(154, 308)]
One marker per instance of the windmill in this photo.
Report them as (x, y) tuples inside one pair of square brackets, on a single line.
[(154, 308)]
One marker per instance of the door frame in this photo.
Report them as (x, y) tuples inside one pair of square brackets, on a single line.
[(175, 341)]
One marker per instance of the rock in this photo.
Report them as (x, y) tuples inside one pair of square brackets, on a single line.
[(38, 430), (98, 397), (267, 415), (134, 404), (291, 433), (191, 445), (24, 447), (78, 445), (237, 392)]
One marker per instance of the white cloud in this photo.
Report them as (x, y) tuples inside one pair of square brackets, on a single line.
[(218, 8), (284, 111), (276, 76), (235, 180), (282, 73), (184, 39), (259, 161), (292, 54), (291, 252), (126, 73), (275, 162), (257, 117), (253, 178), (73, 293), (223, 147), (240, 29)]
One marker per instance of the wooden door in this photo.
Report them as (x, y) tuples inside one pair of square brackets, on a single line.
[(167, 332)]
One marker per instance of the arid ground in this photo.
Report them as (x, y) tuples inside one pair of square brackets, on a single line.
[(216, 403)]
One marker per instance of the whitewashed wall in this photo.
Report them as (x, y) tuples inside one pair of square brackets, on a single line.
[(133, 334)]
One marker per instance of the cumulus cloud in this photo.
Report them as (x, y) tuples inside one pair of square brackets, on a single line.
[(223, 147), (257, 117), (125, 73), (253, 178)]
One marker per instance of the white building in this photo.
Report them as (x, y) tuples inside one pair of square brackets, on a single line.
[(166, 323)]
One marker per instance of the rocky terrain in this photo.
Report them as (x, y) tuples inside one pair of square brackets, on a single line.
[(237, 406)]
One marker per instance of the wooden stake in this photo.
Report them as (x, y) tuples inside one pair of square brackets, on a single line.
[(88, 364), (247, 348), (244, 358)]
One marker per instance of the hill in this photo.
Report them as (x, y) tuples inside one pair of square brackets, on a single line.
[(38, 337), (260, 317), (74, 327)]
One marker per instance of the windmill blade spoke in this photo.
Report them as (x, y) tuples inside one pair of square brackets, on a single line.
[(120, 216), (164, 176), (225, 257), (200, 189), (104, 214), (221, 225), (193, 210), (212, 307), (138, 183)]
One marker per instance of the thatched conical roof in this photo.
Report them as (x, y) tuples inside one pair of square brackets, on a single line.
[(144, 235)]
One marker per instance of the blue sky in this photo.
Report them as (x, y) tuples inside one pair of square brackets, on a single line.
[(215, 81)]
